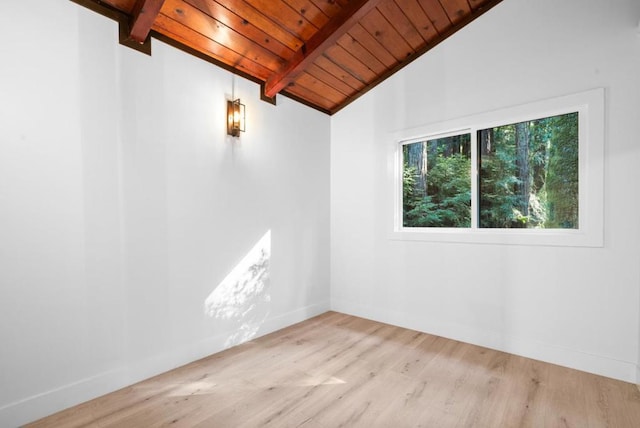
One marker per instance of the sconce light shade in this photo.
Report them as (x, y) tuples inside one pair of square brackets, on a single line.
[(235, 117)]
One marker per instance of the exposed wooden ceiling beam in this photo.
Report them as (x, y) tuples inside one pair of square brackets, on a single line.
[(142, 17), (316, 45)]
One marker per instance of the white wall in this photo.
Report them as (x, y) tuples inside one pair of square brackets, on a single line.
[(124, 210), (576, 307)]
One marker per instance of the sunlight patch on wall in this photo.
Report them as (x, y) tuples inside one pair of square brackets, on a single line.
[(243, 295)]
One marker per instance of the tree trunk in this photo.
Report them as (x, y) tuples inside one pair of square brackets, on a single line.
[(417, 158), (487, 146), (540, 152)]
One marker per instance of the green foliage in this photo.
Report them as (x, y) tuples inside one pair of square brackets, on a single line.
[(552, 176), (562, 179), (446, 201), (498, 183), (410, 198)]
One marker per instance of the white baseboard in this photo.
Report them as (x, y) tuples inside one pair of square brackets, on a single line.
[(149, 367), (48, 402), (597, 364), (40, 405), (284, 320)]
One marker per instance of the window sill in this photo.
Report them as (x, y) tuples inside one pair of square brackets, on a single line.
[(538, 237)]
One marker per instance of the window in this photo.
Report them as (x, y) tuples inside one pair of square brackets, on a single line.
[(527, 175), (436, 182)]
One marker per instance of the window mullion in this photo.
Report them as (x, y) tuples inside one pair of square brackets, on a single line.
[(474, 179)]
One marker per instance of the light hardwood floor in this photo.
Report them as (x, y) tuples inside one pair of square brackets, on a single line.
[(340, 371)]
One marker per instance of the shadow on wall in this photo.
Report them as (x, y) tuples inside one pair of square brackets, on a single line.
[(243, 297)]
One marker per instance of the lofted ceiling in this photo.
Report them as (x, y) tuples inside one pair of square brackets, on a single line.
[(323, 53)]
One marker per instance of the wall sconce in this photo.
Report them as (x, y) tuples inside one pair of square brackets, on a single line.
[(235, 117)]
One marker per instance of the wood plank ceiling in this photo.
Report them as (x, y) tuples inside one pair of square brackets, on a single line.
[(323, 53)]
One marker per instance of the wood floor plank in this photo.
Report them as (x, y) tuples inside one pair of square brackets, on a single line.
[(336, 370)]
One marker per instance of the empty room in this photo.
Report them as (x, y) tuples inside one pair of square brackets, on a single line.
[(319, 213)]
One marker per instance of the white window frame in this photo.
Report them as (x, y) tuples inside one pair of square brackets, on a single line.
[(590, 233)]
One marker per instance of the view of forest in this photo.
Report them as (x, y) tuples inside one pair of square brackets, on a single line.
[(528, 177), (437, 182)]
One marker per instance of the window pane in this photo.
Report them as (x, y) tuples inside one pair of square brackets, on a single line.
[(436, 182), (529, 174)]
